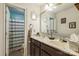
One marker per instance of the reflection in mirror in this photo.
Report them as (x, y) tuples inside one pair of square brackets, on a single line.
[(48, 25), (51, 19)]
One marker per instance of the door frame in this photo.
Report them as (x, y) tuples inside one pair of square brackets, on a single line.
[(12, 5)]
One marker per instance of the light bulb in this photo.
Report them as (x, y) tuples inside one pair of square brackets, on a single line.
[(50, 5), (46, 6), (33, 16)]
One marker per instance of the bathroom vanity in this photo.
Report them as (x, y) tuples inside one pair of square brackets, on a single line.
[(45, 47)]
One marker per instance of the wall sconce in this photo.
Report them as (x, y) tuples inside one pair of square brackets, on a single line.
[(34, 16)]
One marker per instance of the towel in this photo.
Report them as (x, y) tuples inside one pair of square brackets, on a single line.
[(74, 38)]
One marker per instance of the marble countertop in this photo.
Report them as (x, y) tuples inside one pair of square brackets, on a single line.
[(63, 46)]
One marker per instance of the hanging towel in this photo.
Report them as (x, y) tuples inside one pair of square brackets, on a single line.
[(74, 38)]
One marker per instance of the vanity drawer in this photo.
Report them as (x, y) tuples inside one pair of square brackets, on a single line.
[(52, 51)]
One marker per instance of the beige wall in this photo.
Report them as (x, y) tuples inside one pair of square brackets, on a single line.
[(28, 9), (2, 40), (71, 15)]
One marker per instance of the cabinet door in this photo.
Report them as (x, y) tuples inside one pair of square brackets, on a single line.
[(43, 53), (32, 49), (37, 47), (37, 51)]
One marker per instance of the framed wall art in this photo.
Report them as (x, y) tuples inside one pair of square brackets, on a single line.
[(72, 24), (63, 20)]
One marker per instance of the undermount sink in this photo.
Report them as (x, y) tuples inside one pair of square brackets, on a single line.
[(74, 45), (54, 39), (51, 38)]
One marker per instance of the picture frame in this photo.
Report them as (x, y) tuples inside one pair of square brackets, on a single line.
[(72, 25), (63, 20)]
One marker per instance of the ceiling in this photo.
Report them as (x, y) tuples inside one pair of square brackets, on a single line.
[(61, 7)]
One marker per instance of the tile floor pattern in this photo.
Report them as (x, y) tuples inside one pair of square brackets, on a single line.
[(17, 53)]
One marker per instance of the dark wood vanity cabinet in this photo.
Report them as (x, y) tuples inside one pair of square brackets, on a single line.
[(40, 49), (43, 53), (34, 47), (51, 51)]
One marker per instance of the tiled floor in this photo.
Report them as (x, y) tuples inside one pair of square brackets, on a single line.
[(17, 53)]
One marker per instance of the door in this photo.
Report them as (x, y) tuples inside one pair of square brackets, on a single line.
[(14, 31), (7, 16), (51, 25)]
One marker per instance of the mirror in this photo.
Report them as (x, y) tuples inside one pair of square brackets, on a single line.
[(51, 20), (48, 23)]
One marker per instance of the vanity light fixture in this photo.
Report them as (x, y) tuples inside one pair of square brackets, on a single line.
[(34, 16), (51, 4), (46, 6)]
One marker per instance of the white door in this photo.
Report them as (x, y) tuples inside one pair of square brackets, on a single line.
[(7, 17), (14, 31)]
